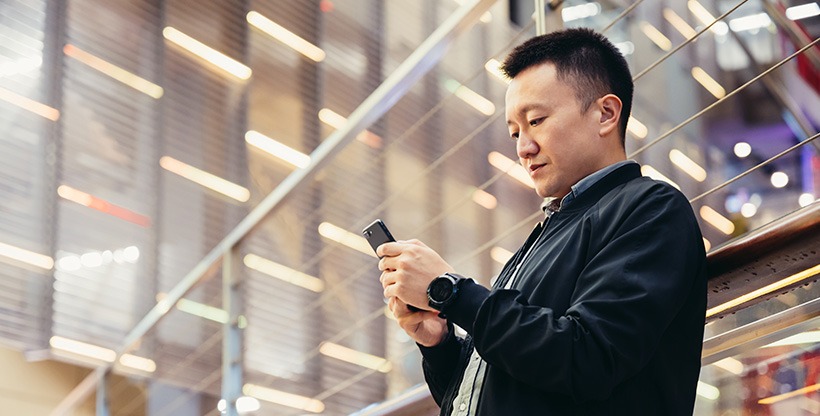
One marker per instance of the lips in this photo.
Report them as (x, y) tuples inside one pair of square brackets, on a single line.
[(535, 166)]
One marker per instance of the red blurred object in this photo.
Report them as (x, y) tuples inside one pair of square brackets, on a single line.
[(326, 6)]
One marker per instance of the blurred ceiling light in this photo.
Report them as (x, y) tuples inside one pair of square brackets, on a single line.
[(637, 128), (803, 11), (707, 391), (85, 199), (485, 18), (626, 47), (581, 11), (716, 220), (742, 149), (731, 365), (808, 337), (202, 310), (655, 36), (493, 66), (355, 357), (707, 245), (700, 12), (485, 199), (285, 36), (140, 363), (95, 352), (751, 22), (200, 177), (285, 399), (284, 273), (277, 149), (647, 170), (470, 97), (748, 210), (72, 262), (132, 80), (510, 167), (346, 238), (30, 105), (805, 199), (501, 255), (337, 121), (21, 66), (765, 290), (679, 23), (780, 397), (222, 61), (779, 179), (25, 256), (687, 165), (244, 404), (708, 82)]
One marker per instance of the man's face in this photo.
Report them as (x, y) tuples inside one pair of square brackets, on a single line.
[(556, 143)]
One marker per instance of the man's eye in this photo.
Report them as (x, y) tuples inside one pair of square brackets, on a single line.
[(537, 121), (514, 136)]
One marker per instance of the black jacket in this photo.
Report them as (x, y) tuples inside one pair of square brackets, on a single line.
[(605, 318)]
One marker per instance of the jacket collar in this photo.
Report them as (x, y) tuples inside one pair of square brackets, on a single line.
[(621, 174)]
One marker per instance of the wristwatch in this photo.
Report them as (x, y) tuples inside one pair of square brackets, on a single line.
[(443, 290)]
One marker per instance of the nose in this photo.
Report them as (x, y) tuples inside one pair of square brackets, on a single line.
[(525, 146)]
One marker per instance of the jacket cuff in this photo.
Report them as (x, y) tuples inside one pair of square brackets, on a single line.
[(442, 353), (464, 308)]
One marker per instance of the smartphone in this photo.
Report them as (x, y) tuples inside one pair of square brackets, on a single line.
[(377, 234)]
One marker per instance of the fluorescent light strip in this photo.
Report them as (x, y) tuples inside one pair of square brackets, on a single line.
[(655, 36), (283, 273), (24, 256), (132, 80), (700, 12), (277, 149), (337, 121), (707, 245), (285, 36), (581, 11), (707, 391), (202, 310), (90, 201), (679, 23), (808, 337), (751, 22), (493, 66), (510, 167), (771, 288), (21, 66), (200, 177), (708, 82), (346, 238), (355, 357), (803, 11), (485, 199), (501, 255), (687, 165), (789, 395), (716, 220), (637, 128), (30, 105), (285, 399), (731, 365), (472, 98), (647, 170), (222, 61), (96, 352)]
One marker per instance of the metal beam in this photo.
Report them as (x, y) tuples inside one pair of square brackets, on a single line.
[(395, 86)]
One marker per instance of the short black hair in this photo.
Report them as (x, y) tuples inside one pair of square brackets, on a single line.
[(586, 59)]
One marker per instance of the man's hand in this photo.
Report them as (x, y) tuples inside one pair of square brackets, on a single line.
[(407, 268), (424, 327)]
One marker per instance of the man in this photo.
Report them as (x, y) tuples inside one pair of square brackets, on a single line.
[(601, 311)]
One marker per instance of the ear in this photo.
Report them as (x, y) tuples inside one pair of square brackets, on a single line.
[(610, 108)]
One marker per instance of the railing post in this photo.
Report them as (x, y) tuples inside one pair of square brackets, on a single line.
[(232, 337), (102, 407)]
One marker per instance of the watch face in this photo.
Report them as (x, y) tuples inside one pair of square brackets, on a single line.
[(441, 290)]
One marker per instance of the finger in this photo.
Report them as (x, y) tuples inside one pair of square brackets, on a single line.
[(388, 250)]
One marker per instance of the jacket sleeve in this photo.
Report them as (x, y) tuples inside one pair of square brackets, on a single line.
[(624, 299), (441, 362)]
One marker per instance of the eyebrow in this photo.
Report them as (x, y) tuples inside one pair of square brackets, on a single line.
[(526, 108)]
